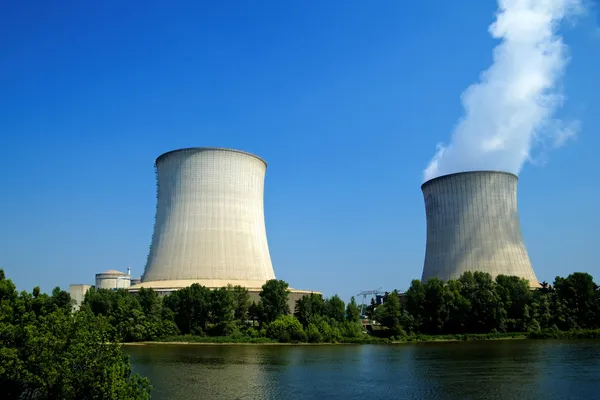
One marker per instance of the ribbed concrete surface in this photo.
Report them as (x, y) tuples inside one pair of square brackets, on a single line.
[(473, 225), (210, 219)]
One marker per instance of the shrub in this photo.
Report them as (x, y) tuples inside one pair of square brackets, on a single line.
[(313, 335), (286, 329)]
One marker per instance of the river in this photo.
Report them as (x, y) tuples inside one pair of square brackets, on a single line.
[(507, 369)]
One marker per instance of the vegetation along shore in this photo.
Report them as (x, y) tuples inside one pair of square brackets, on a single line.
[(47, 350)]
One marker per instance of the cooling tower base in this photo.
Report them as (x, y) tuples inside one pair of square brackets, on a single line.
[(164, 288), (172, 285)]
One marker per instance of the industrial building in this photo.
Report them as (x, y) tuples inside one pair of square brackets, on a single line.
[(209, 227), (473, 225), (77, 292), (113, 279)]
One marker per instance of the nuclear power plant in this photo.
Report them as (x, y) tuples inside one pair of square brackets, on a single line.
[(210, 223), (473, 225)]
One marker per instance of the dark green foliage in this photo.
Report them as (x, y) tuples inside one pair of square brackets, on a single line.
[(473, 306), (391, 315), (241, 300), (579, 300), (191, 307), (274, 298), (352, 311), (132, 318), (475, 303), (255, 312), (48, 352), (286, 329), (308, 307), (312, 334), (222, 306), (334, 308)]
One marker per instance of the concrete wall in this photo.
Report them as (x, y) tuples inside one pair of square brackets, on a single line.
[(210, 219), (77, 292), (293, 297), (473, 225)]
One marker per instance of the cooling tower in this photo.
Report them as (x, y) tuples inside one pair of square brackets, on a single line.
[(210, 226), (473, 225)]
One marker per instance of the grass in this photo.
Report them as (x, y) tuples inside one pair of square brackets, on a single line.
[(216, 339), (367, 339)]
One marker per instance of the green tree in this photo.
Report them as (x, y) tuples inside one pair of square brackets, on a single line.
[(579, 294), (415, 301), (390, 314), (242, 303), (352, 311), (222, 305), (486, 313), (48, 352), (334, 308), (191, 308), (308, 307), (516, 298), (312, 334), (256, 312), (370, 311), (274, 299)]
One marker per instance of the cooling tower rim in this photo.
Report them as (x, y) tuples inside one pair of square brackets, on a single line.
[(168, 153), (481, 172)]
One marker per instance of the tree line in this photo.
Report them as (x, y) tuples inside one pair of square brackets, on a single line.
[(476, 303), (225, 312)]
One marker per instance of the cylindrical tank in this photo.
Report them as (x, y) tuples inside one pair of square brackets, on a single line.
[(210, 225), (473, 225), (112, 279)]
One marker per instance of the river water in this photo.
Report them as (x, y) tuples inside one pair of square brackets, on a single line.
[(509, 369)]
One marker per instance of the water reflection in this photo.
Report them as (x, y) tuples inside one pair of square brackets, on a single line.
[(476, 370)]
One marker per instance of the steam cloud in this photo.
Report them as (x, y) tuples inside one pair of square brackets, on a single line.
[(510, 111)]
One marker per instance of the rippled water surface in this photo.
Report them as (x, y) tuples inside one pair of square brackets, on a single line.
[(511, 369)]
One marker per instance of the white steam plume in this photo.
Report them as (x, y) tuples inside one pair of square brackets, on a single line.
[(511, 110)]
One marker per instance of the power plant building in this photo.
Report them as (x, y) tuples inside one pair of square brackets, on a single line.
[(210, 224), (77, 292), (113, 279), (473, 225)]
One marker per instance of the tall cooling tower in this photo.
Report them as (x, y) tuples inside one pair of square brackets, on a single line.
[(473, 225), (210, 226)]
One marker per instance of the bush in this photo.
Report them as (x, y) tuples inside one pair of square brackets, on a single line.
[(313, 335), (351, 330), (286, 329), (224, 329), (252, 332), (328, 329)]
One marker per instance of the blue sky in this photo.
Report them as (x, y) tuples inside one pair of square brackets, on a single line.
[(346, 100)]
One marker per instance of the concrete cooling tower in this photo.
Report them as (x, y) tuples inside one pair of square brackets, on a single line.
[(473, 225), (210, 224)]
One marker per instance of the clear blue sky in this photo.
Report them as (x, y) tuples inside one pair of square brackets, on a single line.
[(346, 101)]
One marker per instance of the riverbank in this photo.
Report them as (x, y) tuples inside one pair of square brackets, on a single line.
[(226, 340)]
